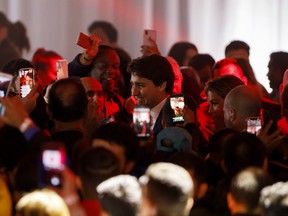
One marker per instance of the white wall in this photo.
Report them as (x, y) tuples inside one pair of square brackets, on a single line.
[(209, 24)]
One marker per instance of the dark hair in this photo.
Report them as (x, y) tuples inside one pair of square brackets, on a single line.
[(279, 60), (4, 22), (191, 160), (96, 165), (18, 34), (179, 49), (242, 150), (107, 27), (121, 134), (13, 66), (155, 68), (199, 61), (103, 49), (223, 85), (237, 44), (246, 187), (67, 100)]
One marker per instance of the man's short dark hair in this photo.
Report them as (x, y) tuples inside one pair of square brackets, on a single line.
[(121, 134), (199, 61), (279, 60), (155, 68), (243, 150), (95, 165), (107, 27), (67, 100), (236, 45)]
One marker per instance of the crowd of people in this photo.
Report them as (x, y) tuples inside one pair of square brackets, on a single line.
[(70, 147)]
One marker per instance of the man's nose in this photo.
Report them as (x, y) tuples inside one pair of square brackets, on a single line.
[(134, 90)]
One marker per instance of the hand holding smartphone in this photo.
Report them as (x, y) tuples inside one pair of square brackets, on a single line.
[(149, 33), (53, 162), (27, 81), (84, 41), (141, 120), (254, 124), (62, 69), (177, 105)]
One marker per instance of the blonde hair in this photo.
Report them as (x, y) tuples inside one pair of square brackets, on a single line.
[(42, 203)]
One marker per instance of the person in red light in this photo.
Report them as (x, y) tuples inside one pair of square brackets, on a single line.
[(283, 123), (45, 63), (103, 63), (228, 66)]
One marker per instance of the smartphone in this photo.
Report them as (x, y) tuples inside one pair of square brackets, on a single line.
[(62, 69), (5, 82), (84, 41), (254, 124), (177, 105), (149, 33), (141, 120), (27, 81), (53, 162)]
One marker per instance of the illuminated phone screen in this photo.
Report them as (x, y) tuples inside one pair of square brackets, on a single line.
[(254, 124), (53, 159), (141, 120), (27, 81), (177, 104)]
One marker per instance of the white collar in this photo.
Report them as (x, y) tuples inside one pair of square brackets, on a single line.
[(155, 112)]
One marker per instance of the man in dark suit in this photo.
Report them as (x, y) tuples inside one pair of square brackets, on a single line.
[(152, 81)]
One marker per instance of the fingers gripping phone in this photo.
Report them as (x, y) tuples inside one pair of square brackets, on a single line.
[(254, 124), (53, 162), (27, 81), (84, 41), (177, 105), (141, 120), (148, 33)]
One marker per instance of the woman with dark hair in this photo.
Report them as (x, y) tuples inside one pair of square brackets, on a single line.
[(216, 91)]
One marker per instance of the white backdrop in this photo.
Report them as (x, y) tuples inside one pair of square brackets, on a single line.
[(209, 24)]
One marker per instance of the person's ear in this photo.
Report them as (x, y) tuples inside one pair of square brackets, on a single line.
[(163, 86), (245, 80), (189, 204), (232, 114), (230, 201), (203, 187), (78, 182)]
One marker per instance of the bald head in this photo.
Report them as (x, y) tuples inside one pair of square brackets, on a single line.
[(240, 103), (94, 90)]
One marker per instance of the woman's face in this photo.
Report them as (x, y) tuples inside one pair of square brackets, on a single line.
[(106, 69), (216, 104)]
